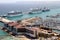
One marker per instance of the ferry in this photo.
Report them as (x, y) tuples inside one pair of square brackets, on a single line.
[(14, 13)]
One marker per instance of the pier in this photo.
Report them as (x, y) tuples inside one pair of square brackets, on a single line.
[(4, 20)]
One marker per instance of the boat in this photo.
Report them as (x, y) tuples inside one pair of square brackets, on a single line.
[(14, 13), (34, 11), (38, 10), (45, 9), (52, 16), (3, 16)]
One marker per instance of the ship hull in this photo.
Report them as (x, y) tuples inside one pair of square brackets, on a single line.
[(34, 12), (15, 15)]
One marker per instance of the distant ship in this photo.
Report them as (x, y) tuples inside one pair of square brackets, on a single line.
[(45, 9), (14, 13), (38, 10), (34, 11)]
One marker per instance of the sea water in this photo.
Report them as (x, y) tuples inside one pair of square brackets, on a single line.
[(42, 15)]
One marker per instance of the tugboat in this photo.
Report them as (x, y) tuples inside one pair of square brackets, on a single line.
[(14, 13), (45, 9)]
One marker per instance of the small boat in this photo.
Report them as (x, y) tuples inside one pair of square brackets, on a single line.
[(52, 16), (45, 9), (58, 14), (3, 16), (14, 13)]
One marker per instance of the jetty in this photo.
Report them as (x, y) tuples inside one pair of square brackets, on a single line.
[(4, 20)]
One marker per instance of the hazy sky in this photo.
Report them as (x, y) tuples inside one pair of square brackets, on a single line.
[(14, 1)]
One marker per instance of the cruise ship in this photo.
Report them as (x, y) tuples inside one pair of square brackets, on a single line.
[(35, 10), (38, 10), (14, 13), (45, 9)]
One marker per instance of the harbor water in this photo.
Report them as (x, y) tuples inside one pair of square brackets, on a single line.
[(41, 14)]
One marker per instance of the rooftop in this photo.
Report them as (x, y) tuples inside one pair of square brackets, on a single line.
[(12, 23), (22, 23)]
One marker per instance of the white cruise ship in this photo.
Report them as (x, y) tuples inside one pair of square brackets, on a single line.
[(14, 13)]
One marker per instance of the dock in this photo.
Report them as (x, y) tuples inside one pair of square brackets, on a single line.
[(26, 24)]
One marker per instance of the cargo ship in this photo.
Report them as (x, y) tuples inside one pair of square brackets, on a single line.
[(14, 13)]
